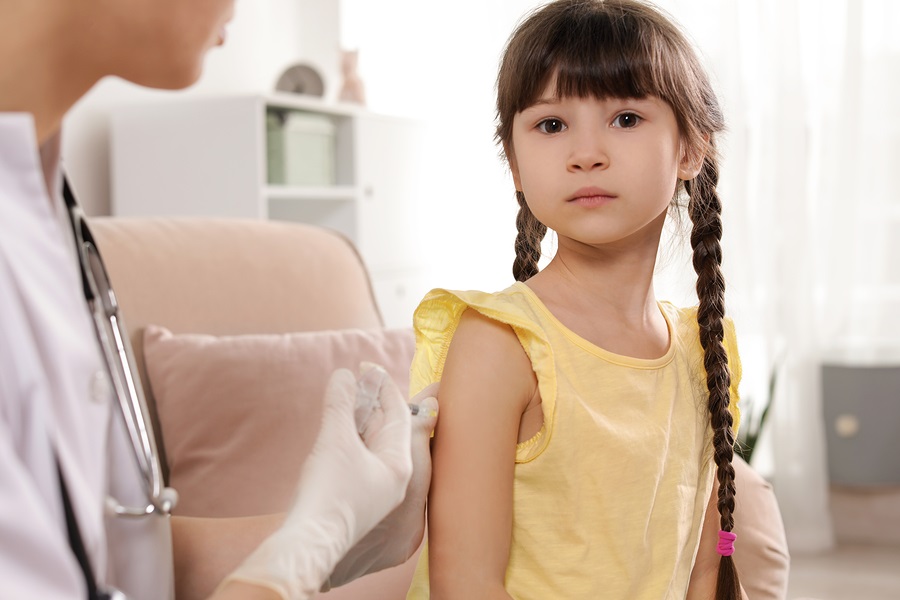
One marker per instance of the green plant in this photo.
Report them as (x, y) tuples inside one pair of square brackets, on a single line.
[(751, 425)]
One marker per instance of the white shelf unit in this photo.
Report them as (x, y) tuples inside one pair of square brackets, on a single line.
[(208, 157)]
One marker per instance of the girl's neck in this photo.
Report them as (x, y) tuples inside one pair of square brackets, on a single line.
[(606, 296), (44, 73), (620, 287)]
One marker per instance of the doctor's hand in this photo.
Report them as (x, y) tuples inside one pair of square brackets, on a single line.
[(398, 535), (348, 484)]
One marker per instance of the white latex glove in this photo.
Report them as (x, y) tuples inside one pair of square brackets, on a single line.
[(348, 484), (399, 535)]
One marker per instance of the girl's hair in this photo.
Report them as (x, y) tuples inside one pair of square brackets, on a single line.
[(628, 49)]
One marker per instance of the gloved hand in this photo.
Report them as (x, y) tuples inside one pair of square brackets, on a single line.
[(398, 536), (349, 482)]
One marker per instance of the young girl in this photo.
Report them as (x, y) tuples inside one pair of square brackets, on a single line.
[(583, 423)]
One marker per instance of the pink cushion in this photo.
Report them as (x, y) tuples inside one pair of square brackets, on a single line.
[(239, 414)]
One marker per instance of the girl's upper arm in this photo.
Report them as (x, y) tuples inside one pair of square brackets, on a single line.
[(487, 382)]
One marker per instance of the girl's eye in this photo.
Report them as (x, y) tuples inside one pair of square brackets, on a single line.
[(626, 120), (551, 126)]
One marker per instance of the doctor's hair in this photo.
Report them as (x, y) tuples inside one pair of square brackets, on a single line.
[(628, 49)]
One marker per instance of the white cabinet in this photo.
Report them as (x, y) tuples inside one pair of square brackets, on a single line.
[(211, 156)]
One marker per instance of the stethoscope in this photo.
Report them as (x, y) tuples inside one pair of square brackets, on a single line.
[(116, 348)]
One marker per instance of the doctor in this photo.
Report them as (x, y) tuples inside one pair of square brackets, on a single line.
[(65, 459)]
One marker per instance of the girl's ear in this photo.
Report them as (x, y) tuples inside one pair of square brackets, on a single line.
[(692, 156)]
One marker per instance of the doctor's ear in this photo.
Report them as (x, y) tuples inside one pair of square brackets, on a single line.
[(692, 155)]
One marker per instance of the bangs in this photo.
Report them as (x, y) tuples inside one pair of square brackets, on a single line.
[(605, 62), (602, 52)]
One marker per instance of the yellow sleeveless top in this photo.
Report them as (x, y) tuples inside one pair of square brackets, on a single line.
[(610, 495)]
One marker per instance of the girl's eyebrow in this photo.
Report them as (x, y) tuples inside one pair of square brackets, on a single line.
[(542, 102), (641, 101), (556, 100)]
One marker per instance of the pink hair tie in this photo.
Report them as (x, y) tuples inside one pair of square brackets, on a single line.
[(726, 543)]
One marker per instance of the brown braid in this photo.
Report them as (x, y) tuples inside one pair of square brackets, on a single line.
[(705, 211), (528, 241)]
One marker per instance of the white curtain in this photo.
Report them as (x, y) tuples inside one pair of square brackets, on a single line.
[(811, 91)]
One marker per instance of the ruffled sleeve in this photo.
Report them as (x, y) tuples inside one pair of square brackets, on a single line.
[(435, 322)]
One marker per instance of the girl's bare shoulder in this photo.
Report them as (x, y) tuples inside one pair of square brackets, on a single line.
[(486, 354)]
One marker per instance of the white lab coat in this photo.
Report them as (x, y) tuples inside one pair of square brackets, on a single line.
[(56, 401)]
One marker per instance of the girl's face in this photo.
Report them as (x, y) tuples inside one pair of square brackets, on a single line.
[(162, 43), (598, 172)]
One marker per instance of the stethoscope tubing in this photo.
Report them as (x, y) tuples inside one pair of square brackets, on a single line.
[(119, 359)]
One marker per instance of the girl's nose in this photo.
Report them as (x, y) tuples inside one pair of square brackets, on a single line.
[(588, 152)]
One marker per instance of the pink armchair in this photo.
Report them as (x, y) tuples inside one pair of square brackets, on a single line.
[(225, 277)]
